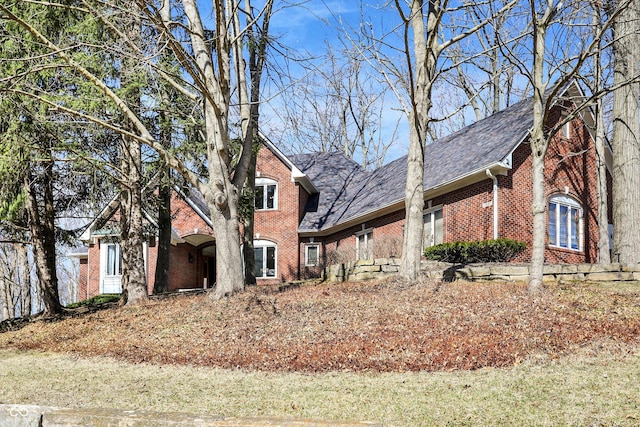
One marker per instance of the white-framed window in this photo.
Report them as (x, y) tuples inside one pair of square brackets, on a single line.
[(364, 244), (565, 223), (312, 255), (433, 227), (114, 260), (265, 256), (266, 194)]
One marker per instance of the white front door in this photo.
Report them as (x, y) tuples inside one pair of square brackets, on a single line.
[(110, 268)]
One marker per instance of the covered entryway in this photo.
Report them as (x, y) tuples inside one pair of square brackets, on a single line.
[(202, 260), (208, 273)]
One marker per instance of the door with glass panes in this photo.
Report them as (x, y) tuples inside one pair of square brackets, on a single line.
[(433, 228)]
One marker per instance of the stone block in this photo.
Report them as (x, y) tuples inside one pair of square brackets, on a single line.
[(357, 277), (610, 276), (568, 269), (364, 262), (367, 269), (591, 268), (478, 271), (501, 270), (435, 274), (390, 268), (21, 415), (633, 268), (552, 269)]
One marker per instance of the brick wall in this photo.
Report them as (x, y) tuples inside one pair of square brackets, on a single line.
[(570, 168), (93, 267), (280, 225)]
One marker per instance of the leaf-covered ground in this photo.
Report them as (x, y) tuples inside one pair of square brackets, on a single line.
[(375, 326)]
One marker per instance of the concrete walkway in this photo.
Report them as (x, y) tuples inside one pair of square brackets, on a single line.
[(44, 416)]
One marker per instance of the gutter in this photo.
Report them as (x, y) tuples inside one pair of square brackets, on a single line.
[(495, 202), (502, 167)]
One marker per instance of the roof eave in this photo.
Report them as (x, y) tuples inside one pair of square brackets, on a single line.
[(497, 168)]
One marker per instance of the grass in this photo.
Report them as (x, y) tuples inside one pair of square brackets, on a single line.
[(603, 390)]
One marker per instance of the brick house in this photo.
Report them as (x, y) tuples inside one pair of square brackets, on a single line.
[(314, 209)]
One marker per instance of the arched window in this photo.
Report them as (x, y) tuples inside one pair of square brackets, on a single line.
[(266, 194), (265, 256), (565, 223)]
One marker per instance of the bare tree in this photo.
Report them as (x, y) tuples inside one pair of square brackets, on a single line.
[(479, 68), (412, 77), (217, 78), (15, 281), (559, 49), (604, 256), (338, 106), (626, 135)]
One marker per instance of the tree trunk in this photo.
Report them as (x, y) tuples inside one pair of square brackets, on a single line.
[(626, 138), (247, 238), (426, 52), (161, 283), (229, 277), (134, 284), (414, 205), (539, 222), (539, 144), (604, 251), (24, 279), (43, 241), (5, 300)]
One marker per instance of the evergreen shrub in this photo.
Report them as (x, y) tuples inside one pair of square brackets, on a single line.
[(500, 250)]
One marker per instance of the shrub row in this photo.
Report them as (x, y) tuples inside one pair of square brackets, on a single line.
[(500, 250)]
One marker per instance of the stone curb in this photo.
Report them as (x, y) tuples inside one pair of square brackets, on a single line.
[(45, 416)]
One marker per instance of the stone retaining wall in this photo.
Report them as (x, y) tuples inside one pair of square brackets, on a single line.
[(43, 416), (384, 267)]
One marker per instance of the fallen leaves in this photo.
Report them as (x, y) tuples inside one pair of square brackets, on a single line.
[(375, 326)]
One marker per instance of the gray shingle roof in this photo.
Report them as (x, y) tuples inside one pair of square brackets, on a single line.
[(348, 192)]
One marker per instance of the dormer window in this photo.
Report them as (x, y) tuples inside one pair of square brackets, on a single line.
[(266, 194)]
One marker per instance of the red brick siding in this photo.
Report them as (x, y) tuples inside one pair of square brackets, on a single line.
[(464, 217), (183, 267), (280, 225), (569, 163), (93, 277), (185, 220)]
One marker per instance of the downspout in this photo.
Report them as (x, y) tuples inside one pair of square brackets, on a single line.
[(495, 203)]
